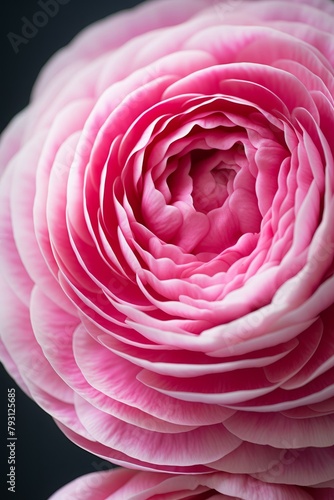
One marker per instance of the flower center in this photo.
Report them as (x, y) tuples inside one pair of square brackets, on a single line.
[(212, 173)]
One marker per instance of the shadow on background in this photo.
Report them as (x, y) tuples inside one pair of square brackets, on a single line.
[(21, 61), (45, 458)]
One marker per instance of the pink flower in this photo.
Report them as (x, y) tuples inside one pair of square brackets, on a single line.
[(167, 253), (120, 484)]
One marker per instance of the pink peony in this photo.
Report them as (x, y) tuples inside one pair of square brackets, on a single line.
[(120, 484), (167, 253)]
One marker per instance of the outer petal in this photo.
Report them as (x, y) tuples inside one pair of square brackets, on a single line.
[(129, 485)]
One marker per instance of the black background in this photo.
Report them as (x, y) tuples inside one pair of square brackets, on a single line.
[(46, 459)]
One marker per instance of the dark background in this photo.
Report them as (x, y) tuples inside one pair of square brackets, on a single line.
[(46, 459)]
